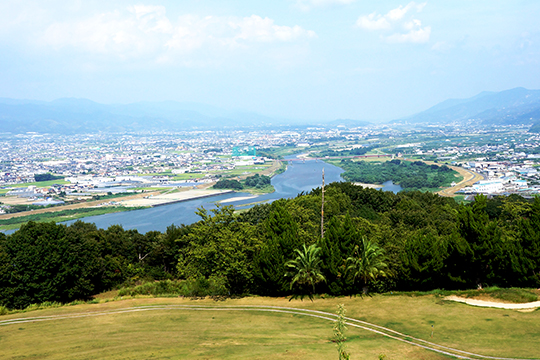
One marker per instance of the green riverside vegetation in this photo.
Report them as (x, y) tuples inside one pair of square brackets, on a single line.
[(373, 241), (256, 183), (63, 215), (410, 175)]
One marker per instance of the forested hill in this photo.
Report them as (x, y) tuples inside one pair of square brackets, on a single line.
[(417, 241)]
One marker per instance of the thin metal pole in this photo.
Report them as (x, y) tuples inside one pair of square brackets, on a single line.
[(322, 206)]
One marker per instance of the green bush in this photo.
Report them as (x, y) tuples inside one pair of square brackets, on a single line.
[(514, 295), (43, 305), (200, 287)]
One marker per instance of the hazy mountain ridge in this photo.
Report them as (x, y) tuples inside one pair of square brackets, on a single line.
[(514, 106), (70, 115)]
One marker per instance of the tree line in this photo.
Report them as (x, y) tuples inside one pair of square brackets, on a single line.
[(352, 152), (47, 177), (375, 239)]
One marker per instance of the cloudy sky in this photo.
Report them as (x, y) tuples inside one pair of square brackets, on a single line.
[(306, 59)]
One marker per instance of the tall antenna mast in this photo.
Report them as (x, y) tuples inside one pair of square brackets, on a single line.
[(322, 206)]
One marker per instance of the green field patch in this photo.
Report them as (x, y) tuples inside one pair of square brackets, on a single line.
[(41, 184), (188, 176)]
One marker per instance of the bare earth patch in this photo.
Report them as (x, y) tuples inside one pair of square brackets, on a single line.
[(484, 302)]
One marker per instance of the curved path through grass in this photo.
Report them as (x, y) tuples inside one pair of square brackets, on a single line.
[(384, 331)]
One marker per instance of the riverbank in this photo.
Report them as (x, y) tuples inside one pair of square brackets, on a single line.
[(242, 198), (369, 186), (60, 216), (299, 177), (165, 199), (81, 205), (150, 197)]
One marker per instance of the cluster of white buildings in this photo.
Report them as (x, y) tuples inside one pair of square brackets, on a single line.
[(504, 177), (498, 186)]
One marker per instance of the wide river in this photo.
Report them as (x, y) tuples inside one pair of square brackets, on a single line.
[(299, 177)]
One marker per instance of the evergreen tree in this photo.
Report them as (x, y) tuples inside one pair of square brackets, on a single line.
[(281, 240)]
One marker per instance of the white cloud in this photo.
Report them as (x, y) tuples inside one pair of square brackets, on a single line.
[(147, 31), (152, 18), (400, 26), (373, 22), (420, 35), (255, 28), (399, 12)]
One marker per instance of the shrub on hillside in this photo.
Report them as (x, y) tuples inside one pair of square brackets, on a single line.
[(189, 288)]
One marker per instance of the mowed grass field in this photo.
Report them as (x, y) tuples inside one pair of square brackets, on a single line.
[(176, 333)]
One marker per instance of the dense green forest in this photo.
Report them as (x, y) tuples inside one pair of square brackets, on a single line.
[(410, 175), (384, 241), (256, 181)]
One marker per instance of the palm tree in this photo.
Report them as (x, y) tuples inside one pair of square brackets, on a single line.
[(305, 270), (368, 264)]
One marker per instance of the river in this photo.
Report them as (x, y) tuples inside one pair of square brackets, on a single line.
[(299, 177)]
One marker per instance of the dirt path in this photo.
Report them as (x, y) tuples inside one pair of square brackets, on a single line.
[(76, 206), (469, 178), (493, 304)]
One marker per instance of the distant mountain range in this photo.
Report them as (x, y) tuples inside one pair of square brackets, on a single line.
[(71, 115), (509, 107)]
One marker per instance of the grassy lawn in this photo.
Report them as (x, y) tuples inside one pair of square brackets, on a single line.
[(242, 170), (263, 190), (213, 334)]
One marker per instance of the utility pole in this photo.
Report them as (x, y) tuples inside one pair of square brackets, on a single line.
[(322, 206)]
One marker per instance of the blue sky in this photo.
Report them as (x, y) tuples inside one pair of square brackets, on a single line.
[(306, 59)]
